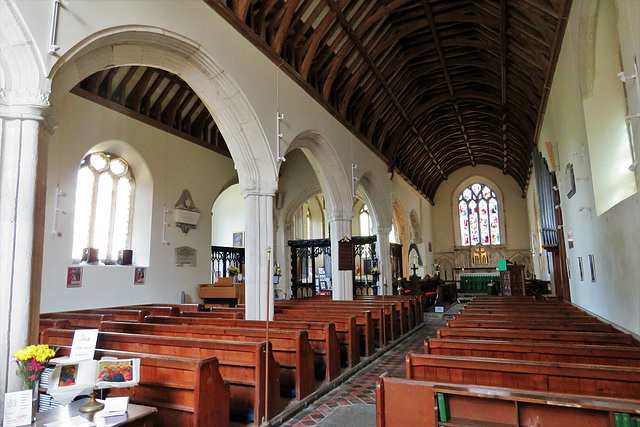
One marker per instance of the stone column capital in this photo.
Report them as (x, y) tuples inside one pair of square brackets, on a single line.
[(334, 216), (258, 188), (25, 104)]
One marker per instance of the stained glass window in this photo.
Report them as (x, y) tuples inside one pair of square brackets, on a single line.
[(479, 217), (103, 210)]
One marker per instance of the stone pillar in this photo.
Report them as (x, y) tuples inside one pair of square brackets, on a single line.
[(22, 206), (258, 237), (342, 281), (383, 252)]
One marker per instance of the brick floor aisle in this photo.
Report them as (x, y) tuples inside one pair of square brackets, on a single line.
[(360, 389)]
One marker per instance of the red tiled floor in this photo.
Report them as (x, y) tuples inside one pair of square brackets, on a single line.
[(360, 389)]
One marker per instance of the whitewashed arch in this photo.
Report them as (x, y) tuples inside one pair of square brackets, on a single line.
[(156, 47), (327, 166), (379, 200)]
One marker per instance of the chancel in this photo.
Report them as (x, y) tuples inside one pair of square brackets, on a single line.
[(269, 196)]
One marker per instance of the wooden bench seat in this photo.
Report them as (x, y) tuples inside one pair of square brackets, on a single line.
[(546, 352), (79, 320), (394, 311), (53, 323), (186, 391), (242, 364), (464, 405), (322, 337), (154, 310), (529, 335), (413, 306), (346, 331), (121, 315), (584, 379), (523, 315), (364, 322), (392, 314), (215, 313), (555, 325), (181, 307), (291, 349)]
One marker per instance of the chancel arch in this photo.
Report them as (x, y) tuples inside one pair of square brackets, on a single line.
[(235, 117)]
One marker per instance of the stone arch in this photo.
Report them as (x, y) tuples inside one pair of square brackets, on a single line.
[(416, 229), (401, 222), (378, 203), (21, 65), (155, 47), (328, 168)]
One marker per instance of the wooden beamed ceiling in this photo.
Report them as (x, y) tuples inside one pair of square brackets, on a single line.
[(158, 98), (431, 86)]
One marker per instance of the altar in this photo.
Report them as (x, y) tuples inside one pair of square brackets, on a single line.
[(476, 279)]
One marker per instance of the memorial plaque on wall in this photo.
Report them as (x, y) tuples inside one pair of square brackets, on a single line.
[(346, 257), (186, 255)]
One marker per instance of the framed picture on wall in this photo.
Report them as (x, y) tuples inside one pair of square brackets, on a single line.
[(592, 267), (238, 239), (74, 277), (140, 276), (581, 268)]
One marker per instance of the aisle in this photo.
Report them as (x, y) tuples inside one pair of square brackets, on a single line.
[(338, 407)]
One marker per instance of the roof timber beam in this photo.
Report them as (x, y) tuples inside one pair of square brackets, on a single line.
[(358, 43), (503, 77), (445, 70)]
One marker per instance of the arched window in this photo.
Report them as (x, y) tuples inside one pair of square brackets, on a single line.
[(103, 211), (393, 234), (479, 218), (365, 221)]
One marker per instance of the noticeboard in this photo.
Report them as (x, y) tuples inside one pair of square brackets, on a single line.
[(346, 258)]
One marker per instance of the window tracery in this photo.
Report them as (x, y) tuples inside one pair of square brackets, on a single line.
[(478, 215)]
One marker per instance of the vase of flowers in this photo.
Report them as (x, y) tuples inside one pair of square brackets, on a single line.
[(233, 272), (31, 362)]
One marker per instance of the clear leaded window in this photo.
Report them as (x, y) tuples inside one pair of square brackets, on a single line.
[(365, 221), (479, 218), (104, 198)]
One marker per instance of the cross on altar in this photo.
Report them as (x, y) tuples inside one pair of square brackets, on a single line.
[(415, 269)]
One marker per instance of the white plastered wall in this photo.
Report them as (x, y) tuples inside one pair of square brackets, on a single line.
[(613, 237), (174, 165)]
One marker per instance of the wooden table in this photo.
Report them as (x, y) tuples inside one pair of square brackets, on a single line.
[(137, 415)]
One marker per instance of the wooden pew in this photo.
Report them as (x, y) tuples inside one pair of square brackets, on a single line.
[(602, 338), (364, 322), (464, 405), (53, 323), (322, 337), (291, 349), (121, 315), (242, 364), (555, 325), (215, 313), (523, 315), (589, 380), (79, 320), (542, 351), (154, 310), (186, 391), (392, 313), (412, 304), (346, 331), (181, 307)]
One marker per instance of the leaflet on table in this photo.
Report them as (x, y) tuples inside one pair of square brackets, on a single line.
[(75, 378), (115, 406)]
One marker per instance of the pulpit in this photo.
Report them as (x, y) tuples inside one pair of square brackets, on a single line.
[(222, 293)]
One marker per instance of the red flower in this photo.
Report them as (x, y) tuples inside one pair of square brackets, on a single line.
[(34, 365)]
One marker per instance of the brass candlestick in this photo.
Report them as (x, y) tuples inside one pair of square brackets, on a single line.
[(92, 405)]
